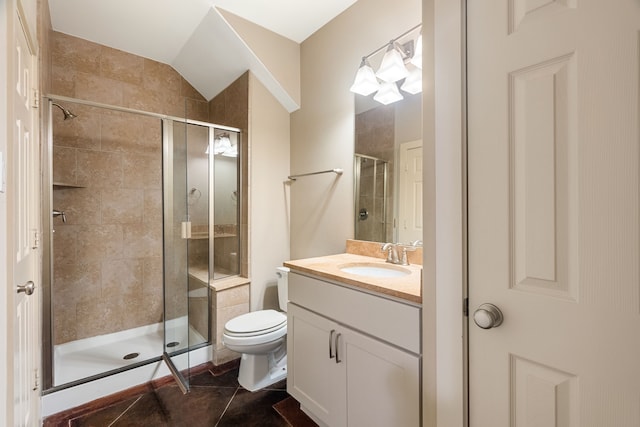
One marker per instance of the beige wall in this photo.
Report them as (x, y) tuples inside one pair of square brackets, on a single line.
[(322, 131), (269, 193), (280, 56)]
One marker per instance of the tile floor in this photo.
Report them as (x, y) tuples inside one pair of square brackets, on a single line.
[(214, 400)]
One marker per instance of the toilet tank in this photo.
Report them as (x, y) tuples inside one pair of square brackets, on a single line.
[(283, 286)]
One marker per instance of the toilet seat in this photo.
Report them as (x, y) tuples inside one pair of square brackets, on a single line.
[(256, 323)]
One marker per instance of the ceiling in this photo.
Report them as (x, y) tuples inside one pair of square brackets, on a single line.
[(191, 35)]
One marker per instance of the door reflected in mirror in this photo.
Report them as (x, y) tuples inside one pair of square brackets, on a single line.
[(388, 170)]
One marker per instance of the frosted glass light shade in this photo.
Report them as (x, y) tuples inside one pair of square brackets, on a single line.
[(365, 82), (417, 54), (392, 67), (388, 93), (413, 83)]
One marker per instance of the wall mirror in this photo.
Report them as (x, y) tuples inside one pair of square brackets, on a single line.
[(388, 169)]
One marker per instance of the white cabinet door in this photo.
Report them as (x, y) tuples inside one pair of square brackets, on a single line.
[(382, 382), (345, 378), (313, 374)]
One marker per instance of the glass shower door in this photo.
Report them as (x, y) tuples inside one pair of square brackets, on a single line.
[(175, 240)]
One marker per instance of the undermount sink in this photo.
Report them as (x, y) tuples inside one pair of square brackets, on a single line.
[(375, 270)]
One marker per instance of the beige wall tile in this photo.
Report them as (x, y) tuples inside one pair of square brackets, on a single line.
[(99, 170), (118, 65), (64, 323), (122, 205), (142, 241), (161, 77), (117, 245), (189, 91), (99, 242), (97, 317), (80, 205), (65, 165), (65, 243), (119, 275), (73, 52), (99, 89), (233, 296), (142, 171), (81, 132), (63, 80)]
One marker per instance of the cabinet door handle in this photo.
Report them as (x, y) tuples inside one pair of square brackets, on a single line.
[(331, 355), (338, 335)]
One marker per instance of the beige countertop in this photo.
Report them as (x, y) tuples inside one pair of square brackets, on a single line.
[(406, 287)]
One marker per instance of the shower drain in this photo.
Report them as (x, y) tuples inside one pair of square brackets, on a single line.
[(131, 356), (173, 344)]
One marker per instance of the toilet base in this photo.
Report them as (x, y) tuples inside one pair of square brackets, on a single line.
[(258, 371)]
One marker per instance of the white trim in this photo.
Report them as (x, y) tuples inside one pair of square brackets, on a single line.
[(6, 327), (443, 321)]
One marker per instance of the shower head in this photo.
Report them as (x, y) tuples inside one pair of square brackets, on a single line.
[(67, 114)]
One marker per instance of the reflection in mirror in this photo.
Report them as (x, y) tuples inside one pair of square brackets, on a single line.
[(388, 170)]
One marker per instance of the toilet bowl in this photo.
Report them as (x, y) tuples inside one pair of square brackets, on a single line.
[(261, 338)]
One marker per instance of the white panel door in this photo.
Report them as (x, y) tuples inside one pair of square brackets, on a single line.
[(24, 186), (553, 212), (410, 188)]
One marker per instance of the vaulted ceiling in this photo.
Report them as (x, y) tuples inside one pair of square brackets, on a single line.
[(198, 37)]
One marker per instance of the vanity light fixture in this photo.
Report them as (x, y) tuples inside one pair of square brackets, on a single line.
[(222, 144), (388, 93), (417, 55), (366, 82), (393, 68), (413, 83)]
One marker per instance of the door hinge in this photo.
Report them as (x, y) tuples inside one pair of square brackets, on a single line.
[(36, 98), (36, 379), (36, 239), (465, 307)]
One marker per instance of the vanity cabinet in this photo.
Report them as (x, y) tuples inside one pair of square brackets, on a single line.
[(353, 357)]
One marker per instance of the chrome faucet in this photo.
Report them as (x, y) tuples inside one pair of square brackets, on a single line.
[(60, 213), (392, 251)]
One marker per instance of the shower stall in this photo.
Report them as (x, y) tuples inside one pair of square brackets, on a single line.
[(372, 206), (132, 202)]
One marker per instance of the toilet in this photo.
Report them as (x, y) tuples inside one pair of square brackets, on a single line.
[(261, 337)]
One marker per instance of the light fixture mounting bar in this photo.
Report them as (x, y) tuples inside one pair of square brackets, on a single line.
[(392, 41)]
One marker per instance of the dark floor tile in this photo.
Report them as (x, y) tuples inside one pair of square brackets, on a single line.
[(289, 409), (146, 411), (207, 378), (255, 409), (103, 416), (202, 406)]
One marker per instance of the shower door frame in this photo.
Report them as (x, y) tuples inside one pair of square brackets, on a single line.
[(47, 228)]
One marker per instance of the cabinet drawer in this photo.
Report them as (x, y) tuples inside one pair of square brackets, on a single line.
[(388, 320)]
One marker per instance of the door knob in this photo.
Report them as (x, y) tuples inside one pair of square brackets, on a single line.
[(28, 288), (488, 316)]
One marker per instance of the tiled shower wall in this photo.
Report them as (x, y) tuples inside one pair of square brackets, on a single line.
[(108, 256)]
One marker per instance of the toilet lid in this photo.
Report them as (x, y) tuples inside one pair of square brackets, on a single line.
[(262, 321)]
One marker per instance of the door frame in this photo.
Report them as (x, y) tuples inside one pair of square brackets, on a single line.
[(6, 299), (444, 326), (26, 12)]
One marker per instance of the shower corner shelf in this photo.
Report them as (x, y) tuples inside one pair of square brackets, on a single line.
[(63, 185)]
